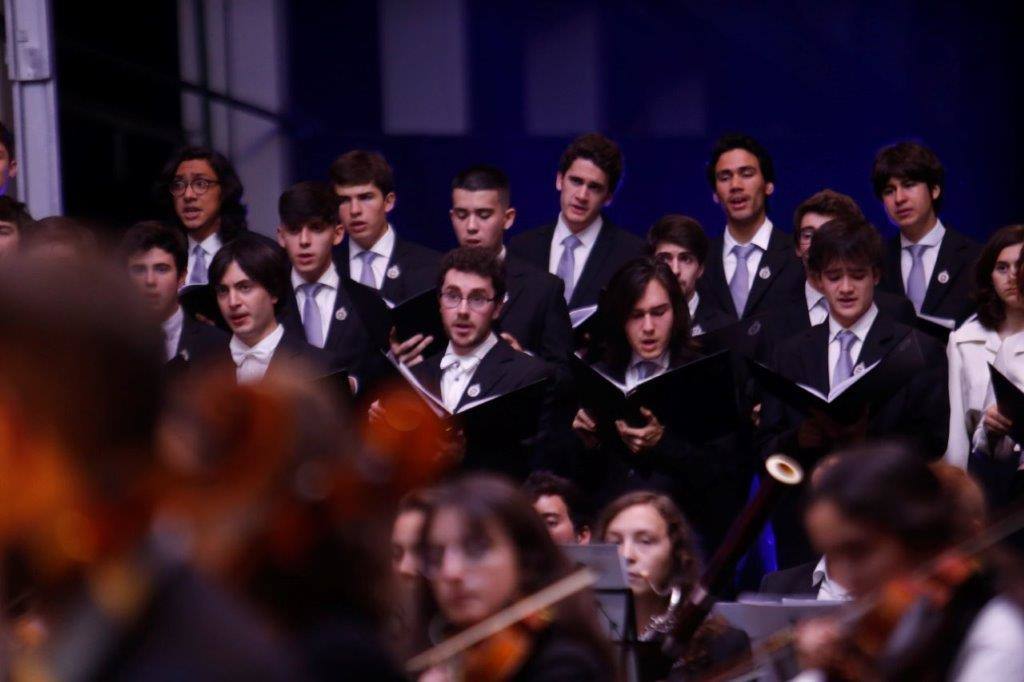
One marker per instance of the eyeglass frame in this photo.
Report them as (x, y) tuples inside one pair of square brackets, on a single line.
[(448, 300), (191, 183)]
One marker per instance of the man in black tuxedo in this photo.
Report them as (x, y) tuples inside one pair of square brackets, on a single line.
[(751, 268), (912, 402), (248, 276), (155, 256), (582, 247), (374, 255), (476, 363), (788, 321), (534, 316), (346, 319), (680, 242), (927, 262)]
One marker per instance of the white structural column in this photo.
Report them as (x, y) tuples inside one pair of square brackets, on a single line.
[(31, 71), (243, 49)]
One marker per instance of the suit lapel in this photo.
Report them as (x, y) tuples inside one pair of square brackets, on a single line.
[(815, 358), (772, 264), (339, 321), (879, 341), (515, 276), (591, 269), (717, 285), (391, 288), (893, 273), (491, 370), (947, 266)]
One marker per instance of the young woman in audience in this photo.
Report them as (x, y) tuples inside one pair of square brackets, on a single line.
[(975, 344), (484, 548), (663, 565)]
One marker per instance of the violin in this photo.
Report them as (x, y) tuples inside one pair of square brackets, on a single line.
[(494, 649)]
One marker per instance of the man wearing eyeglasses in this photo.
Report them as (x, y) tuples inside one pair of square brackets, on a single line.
[(476, 364)]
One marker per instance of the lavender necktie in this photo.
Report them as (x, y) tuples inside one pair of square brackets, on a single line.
[(311, 321), (739, 285), (645, 369), (844, 366), (567, 263), (366, 276), (916, 286), (198, 274)]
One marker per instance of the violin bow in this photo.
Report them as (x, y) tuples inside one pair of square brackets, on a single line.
[(524, 608)]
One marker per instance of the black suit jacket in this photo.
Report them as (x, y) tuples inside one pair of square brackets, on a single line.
[(798, 580), (951, 298), (535, 311), (613, 247), (784, 284), (360, 322), (708, 318), (200, 344), (501, 371), (416, 269), (294, 349)]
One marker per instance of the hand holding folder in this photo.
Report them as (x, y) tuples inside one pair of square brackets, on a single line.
[(419, 314)]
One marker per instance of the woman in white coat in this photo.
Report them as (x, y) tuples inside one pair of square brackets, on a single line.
[(975, 344)]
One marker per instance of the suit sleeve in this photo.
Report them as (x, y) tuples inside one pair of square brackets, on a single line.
[(958, 446)]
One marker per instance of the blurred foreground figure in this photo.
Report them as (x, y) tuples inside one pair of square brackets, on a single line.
[(86, 593)]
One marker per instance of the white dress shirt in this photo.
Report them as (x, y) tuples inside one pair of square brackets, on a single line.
[(457, 371), (692, 305), (211, 245), (1010, 362), (970, 350), (587, 237), (932, 239), (860, 330), (633, 373), (325, 297), (251, 362), (828, 589), (172, 332), (383, 248), (817, 305), (760, 240), (993, 645)]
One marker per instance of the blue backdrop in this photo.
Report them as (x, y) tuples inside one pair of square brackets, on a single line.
[(822, 85)]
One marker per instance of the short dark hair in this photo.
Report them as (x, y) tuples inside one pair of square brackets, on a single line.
[(991, 309), (683, 231), (58, 229), (477, 261), (361, 167), (543, 482), (7, 139), (845, 238), (910, 160), (258, 259), (152, 234), (83, 363), (625, 288), (481, 178), (599, 150), (826, 202), (891, 488), (730, 141), (308, 202), (232, 210), (14, 212)]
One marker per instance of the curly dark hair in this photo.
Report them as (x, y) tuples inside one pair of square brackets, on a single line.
[(910, 160), (475, 260), (599, 150), (826, 202), (730, 141), (683, 231), (991, 309), (845, 238), (624, 289), (232, 211)]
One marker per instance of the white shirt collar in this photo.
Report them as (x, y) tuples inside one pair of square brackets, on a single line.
[(267, 346), (931, 238), (587, 235), (821, 579), (812, 295), (860, 328), (329, 278), (692, 305), (211, 244), (383, 247), (172, 327), (761, 237), (481, 350)]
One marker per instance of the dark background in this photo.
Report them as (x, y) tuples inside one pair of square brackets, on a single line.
[(822, 85)]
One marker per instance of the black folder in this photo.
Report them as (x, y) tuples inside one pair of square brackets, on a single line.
[(936, 327), (336, 383), (697, 400), (420, 314), (743, 337), (200, 301), (870, 386), (1010, 400)]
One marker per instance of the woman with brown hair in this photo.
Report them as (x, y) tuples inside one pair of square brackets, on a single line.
[(483, 549), (975, 344), (663, 565)]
